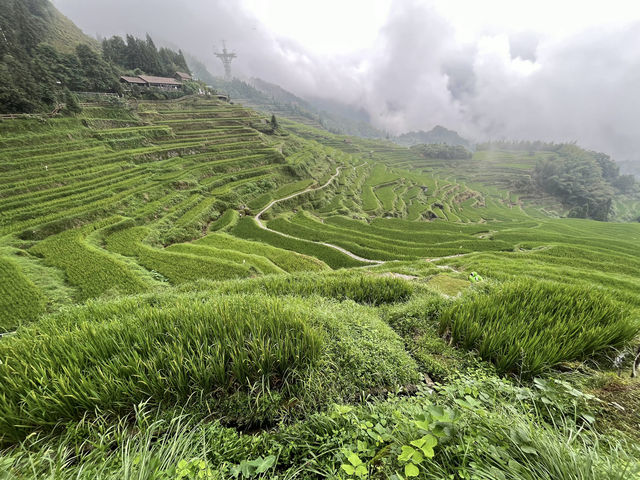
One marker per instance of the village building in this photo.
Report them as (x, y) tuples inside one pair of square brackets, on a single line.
[(166, 83), (183, 77), (133, 81), (161, 82)]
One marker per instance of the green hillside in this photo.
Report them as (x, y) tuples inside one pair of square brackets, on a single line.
[(25, 20), (46, 62), (189, 292)]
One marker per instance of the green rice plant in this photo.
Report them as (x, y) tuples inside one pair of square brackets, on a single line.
[(281, 192), (226, 221), (380, 175), (285, 259), (376, 244), (248, 229), (387, 197), (93, 270), (176, 266), (369, 200), (111, 357), (527, 327), (357, 286), (20, 299), (260, 264)]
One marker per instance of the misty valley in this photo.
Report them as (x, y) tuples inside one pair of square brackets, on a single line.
[(352, 240)]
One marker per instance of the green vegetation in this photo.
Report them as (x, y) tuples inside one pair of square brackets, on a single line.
[(437, 135), (367, 289), (204, 346), (114, 357), (247, 228), (44, 57), (178, 267), (519, 325), (20, 299), (143, 55), (92, 270), (584, 181), (439, 150)]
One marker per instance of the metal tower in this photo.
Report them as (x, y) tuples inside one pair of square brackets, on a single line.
[(226, 58)]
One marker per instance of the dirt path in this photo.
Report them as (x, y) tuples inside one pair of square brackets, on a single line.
[(330, 245)]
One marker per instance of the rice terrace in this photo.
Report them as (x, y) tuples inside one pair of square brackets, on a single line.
[(203, 277)]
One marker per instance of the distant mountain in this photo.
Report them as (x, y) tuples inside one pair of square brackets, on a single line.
[(437, 134), (336, 107), (273, 99), (331, 115)]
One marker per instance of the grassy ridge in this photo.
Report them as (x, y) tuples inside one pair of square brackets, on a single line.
[(285, 259), (177, 267), (92, 270), (362, 288)]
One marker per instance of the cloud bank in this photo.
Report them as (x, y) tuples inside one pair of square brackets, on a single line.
[(416, 74)]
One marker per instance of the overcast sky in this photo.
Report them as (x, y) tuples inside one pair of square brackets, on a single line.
[(550, 69)]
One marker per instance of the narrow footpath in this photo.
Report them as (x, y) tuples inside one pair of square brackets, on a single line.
[(310, 189)]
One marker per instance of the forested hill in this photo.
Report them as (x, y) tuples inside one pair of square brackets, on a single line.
[(44, 57), (26, 23), (586, 182), (138, 54), (41, 52), (437, 134)]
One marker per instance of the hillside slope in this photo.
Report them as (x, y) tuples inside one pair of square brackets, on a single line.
[(163, 295), (27, 22)]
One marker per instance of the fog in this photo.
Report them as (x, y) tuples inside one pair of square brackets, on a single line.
[(557, 73)]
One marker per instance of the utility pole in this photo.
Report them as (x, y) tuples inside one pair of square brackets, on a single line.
[(226, 58)]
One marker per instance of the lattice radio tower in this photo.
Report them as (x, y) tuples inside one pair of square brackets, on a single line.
[(226, 58)]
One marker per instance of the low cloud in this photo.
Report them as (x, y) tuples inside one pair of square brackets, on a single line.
[(517, 85)]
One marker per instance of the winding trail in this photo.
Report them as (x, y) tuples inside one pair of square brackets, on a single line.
[(330, 245)]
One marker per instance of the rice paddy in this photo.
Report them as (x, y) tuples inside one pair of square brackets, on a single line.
[(151, 326)]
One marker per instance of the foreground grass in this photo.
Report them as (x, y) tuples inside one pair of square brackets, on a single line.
[(477, 427), (528, 327), (112, 358), (209, 349), (20, 299)]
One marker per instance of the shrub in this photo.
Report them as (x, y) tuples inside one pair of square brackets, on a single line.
[(527, 327)]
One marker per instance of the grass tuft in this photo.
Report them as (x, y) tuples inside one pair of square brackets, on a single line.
[(529, 327)]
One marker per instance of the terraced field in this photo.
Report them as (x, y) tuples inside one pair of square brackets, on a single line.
[(185, 290), (111, 198), (165, 170)]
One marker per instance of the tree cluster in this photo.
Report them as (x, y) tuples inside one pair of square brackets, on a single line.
[(443, 151), (138, 54), (584, 181), (35, 76)]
